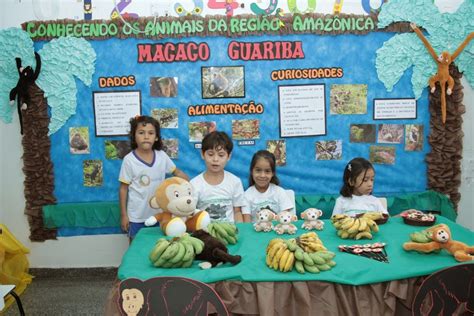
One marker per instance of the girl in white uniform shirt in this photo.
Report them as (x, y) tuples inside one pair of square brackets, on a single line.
[(356, 192), (264, 190)]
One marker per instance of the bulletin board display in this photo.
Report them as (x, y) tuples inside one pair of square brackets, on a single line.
[(188, 98)]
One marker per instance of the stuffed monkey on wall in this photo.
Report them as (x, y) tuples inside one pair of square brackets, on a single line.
[(26, 79), (443, 61)]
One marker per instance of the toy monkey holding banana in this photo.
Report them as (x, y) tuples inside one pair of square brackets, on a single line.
[(443, 61)]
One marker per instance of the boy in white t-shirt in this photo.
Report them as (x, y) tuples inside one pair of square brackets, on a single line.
[(219, 192)]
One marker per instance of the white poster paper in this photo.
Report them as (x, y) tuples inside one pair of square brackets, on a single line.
[(392, 109), (302, 110), (113, 110)]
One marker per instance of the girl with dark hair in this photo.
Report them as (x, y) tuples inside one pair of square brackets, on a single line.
[(356, 191), (264, 191), (142, 171)]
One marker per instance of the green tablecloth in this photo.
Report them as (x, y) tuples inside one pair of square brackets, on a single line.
[(350, 269)]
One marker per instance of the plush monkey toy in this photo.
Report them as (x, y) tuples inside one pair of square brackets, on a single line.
[(26, 79), (174, 196), (443, 61), (441, 236)]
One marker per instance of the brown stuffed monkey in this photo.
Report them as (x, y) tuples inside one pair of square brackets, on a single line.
[(443, 61)]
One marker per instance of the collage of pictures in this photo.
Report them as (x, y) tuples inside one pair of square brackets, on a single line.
[(229, 82)]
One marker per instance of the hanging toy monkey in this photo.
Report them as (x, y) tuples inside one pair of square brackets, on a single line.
[(26, 79), (443, 61)]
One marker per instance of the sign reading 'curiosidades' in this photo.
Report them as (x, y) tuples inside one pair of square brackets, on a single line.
[(167, 27)]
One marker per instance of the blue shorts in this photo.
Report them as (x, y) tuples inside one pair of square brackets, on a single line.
[(133, 228)]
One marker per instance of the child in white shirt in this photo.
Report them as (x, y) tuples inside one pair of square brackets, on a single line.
[(142, 171), (219, 192), (358, 184), (264, 190)]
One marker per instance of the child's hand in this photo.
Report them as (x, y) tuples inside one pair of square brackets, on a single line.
[(124, 222)]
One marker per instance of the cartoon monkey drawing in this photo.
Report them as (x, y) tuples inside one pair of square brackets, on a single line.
[(443, 61)]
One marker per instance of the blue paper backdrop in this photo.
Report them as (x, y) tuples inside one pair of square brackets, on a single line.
[(302, 173)]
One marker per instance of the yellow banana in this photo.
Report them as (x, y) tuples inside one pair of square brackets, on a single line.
[(273, 250), (289, 263), (354, 227), (273, 242), (277, 257), (363, 235), (362, 224), (347, 223), (283, 259)]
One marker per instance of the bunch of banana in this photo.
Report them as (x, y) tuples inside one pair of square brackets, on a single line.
[(356, 227), (421, 237), (280, 255), (227, 233), (310, 242), (178, 252), (313, 262)]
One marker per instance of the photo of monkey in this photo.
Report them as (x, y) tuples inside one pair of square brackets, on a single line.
[(79, 140), (197, 130), (278, 148), (164, 87), (390, 133), (413, 137), (245, 129), (382, 155), (170, 147), (348, 99), (223, 82), (329, 150), (362, 133), (168, 118), (92, 171), (116, 149)]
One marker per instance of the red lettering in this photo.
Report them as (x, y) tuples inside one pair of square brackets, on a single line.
[(232, 50), (144, 53)]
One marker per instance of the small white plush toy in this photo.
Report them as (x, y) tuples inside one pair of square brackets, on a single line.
[(264, 220), (285, 225), (311, 221)]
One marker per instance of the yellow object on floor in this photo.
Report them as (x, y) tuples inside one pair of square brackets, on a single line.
[(13, 264)]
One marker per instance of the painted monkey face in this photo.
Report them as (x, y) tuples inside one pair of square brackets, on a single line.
[(132, 301)]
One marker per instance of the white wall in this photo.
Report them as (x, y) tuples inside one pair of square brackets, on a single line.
[(107, 250)]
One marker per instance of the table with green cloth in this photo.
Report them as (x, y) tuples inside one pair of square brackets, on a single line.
[(355, 285)]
